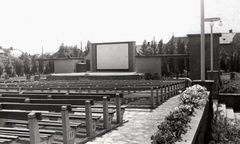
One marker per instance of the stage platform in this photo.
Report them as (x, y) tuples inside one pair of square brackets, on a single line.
[(96, 76)]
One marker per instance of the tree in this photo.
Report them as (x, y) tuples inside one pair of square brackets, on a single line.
[(143, 50), (160, 47), (27, 63), (34, 68), (153, 47), (9, 68), (18, 65), (76, 52), (170, 49), (87, 48), (180, 50)]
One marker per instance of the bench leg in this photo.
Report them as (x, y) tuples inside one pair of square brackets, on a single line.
[(33, 128), (89, 124), (68, 134)]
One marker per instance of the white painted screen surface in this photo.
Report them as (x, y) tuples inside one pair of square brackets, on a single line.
[(112, 56)]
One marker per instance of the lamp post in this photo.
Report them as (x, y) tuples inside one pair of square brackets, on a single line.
[(212, 20), (202, 43)]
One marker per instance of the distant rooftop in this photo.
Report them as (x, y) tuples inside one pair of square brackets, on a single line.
[(226, 38)]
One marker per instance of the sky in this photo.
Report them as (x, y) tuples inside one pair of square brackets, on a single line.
[(36, 25)]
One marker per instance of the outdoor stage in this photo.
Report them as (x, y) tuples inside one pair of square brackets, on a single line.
[(96, 76)]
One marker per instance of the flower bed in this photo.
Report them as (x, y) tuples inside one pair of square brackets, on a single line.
[(177, 122)]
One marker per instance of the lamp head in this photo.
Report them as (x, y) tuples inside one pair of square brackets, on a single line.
[(211, 24)]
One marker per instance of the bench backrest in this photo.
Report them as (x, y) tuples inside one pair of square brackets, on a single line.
[(37, 96), (61, 101), (93, 97), (18, 115), (112, 95), (12, 99), (29, 106)]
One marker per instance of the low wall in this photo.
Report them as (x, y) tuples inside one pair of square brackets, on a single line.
[(132, 77), (230, 99), (148, 64), (200, 123)]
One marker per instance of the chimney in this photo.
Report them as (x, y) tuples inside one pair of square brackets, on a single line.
[(230, 31)]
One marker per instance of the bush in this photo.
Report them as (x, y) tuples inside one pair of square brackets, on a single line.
[(176, 123), (224, 130), (147, 76), (156, 76), (228, 86)]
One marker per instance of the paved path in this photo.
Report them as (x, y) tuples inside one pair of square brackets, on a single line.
[(141, 126)]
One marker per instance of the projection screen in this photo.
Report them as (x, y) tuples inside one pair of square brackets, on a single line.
[(112, 56)]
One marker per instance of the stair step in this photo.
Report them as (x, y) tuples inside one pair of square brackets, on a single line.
[(230, 113), (237, 115), (222, 108), (215, 104)]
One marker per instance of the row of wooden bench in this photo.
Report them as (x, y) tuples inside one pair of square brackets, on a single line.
[(79, 102), (26, 102), (93, 83), (157, 94)]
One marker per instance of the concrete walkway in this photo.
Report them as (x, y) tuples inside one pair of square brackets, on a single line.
[(141, 126)]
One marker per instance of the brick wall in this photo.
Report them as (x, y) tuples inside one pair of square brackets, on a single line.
[(194, 55)]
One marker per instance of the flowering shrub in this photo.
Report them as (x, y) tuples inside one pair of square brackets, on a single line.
[(176, 123), (224, 130), (194, 97)]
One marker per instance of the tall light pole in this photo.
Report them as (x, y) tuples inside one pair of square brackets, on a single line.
[(202, 43), (211, 20)]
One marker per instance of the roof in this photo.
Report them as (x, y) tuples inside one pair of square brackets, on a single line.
[(226, 38), (166, 55), (64, 58)]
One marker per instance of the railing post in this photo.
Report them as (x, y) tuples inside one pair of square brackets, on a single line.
[(157, 94), (162, 96), (152, 98), (165, 92), (106, 122), (118, 109)]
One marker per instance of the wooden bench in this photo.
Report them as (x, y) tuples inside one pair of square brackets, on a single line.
[(64, 124), (117, 96), (35, 135), (90, 124), (8, 139)]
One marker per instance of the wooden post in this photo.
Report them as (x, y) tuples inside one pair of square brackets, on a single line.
[(165, 92), (68, 135), (19, 89), (106, 122), (118, 109), (162, 96), (33, 128), (80, 90), (59, 90), (89, 89), (152, 98), (89, 124), (157, 94)]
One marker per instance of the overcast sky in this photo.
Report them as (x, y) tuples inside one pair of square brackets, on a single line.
[(30, 25)]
